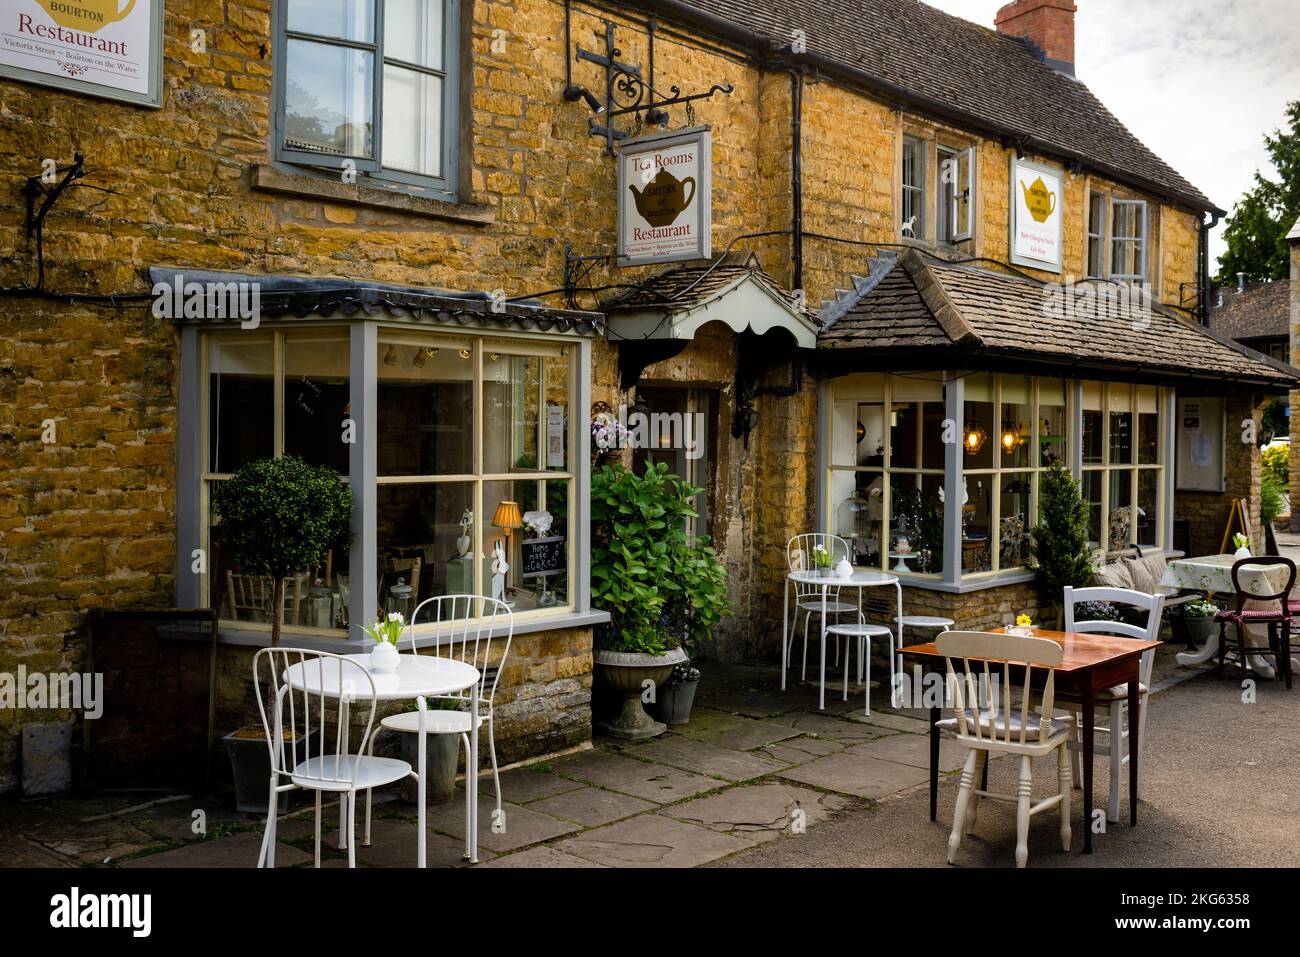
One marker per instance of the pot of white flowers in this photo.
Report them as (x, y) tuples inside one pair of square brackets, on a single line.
[(1198, 616), (386, 632)]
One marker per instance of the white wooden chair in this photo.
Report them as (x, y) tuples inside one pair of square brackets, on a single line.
[(997, 725), (1112, 703), (808, 597), (299, 730), (470, 638)]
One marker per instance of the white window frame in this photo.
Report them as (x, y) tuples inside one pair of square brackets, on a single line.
[(953, 158), (917, 188), (1106, 468), (1142, 240), (1108, 239)]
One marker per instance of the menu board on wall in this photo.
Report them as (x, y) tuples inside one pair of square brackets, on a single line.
[(1200, 445), (1035, 215), (109, 48)]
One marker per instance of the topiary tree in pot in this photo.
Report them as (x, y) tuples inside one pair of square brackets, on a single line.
[(1061, 553), (279, 516), (663, 591)]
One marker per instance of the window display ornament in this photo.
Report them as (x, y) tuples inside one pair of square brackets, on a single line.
[(1013, 435), (974, 437), (390, 357), (507, 518)]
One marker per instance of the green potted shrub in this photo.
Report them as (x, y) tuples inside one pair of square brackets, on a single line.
[(1060, 550), (661, 590), (277, 517)]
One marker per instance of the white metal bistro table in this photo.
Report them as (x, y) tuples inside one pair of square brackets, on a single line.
[(1212, 574), (826, 580), (418, 677)]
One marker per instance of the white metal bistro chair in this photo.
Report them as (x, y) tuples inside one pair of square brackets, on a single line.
[(298, 734), (467, 627), (1113, 702), (996, 724), (808, 597)]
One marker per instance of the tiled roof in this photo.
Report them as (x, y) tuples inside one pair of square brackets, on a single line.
[(686, 286), (963, 70), (1260, 310), (1294, 235), (960, 311)]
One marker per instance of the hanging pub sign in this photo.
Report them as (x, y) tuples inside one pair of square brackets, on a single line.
[(109, 48), (1035, 215), (665, 198)]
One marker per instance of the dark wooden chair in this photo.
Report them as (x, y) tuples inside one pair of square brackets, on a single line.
[(1279, 620)]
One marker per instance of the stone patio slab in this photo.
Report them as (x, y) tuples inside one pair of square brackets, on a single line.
[(705, 758), (829, 726), (541, 857), (857, 774), (393, 844), (730, 731), (591, 807), (652, 840), (892, 721), (751, 702), (239, 850), (765, 809), (523, 826), (525, 785), (650, 782), (913, 749)]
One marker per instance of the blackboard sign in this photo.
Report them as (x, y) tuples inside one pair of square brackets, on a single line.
[(542, 556)]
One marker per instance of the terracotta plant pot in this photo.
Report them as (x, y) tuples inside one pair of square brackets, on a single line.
[(626, 673)]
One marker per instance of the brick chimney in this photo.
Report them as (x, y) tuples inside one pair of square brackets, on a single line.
[(1049, 24)]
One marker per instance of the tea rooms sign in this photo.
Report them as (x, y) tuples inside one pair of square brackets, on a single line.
[(665, 198), (1035, 215), (110, 48)]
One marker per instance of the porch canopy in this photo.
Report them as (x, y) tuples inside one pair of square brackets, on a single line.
[(924, 312), (659, 317)]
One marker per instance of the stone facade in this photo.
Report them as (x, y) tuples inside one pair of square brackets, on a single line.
[(89, 390), (1207, 512)]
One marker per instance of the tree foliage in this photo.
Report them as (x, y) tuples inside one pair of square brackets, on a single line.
[(661, 588), (1060, 539), (280, 516), (1257, 228)]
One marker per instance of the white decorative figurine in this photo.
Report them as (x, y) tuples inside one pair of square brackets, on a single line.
[(499, 568), (463, 543)]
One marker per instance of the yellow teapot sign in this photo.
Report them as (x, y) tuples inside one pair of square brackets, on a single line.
[(665, 198), (1039, 200), (86, 15), (1035, 220)]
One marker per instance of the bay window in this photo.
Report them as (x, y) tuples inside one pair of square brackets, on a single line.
[(914, 455)]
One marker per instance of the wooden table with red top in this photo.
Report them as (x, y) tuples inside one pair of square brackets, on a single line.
[(1090, 663)]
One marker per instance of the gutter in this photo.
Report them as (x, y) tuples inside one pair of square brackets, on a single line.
[(1203, 266), (901, 96)]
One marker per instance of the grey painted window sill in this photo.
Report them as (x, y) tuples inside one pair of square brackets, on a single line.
[(271, 179)]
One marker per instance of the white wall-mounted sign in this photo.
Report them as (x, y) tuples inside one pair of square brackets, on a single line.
[(665, 198), (109, 48), (1199, 463), (1036, 201)]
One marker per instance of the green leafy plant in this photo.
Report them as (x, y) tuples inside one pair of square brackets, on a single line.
[(387, 628), (661, 588), (280, 516), (1270, 498), (1200, 609), (1060, 539)]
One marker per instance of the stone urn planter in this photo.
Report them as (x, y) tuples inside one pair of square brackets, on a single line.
[(673, 703), (626, 673)]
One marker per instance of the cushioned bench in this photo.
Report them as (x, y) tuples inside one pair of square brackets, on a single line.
[(1131, 569)]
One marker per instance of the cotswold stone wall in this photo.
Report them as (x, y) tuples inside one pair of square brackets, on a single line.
[(88, 517)]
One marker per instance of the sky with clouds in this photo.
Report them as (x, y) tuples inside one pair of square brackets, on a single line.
[(1198, 81)]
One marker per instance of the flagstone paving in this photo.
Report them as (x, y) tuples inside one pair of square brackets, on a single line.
[(753, 764)]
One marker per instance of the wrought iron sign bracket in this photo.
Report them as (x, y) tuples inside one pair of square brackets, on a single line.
[(628, 92)]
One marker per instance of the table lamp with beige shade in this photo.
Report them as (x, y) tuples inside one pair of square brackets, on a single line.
[(507, 518)]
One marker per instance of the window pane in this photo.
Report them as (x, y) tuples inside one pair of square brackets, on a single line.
[(241, 401), (328, 99), (947, 189), (859, 514), (1053, 440), (977, 516), (1015, 430), (1092, 481), (905, 437), (965, 188), (542, 560), (1148, 438), (914, 186), (1148, 507), (859, 433), (413, 121), (345, 19), (1120, 403), (413, 32), (1092, 423), (426, 408), (316, 399), (421, 540), (979, 431), (1014, 524), (916, 514), (515, 390), (1096, 234), (1120, 524)]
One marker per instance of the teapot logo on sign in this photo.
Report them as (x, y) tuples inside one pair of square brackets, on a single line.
[(664, 199)]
